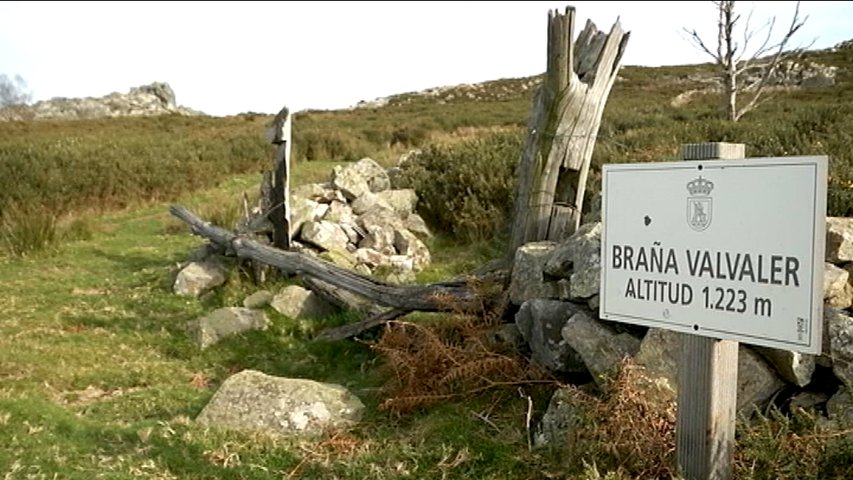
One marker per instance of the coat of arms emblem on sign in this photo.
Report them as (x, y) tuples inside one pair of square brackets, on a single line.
[(699, 203)]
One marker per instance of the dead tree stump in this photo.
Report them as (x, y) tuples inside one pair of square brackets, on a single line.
[(563, 127)]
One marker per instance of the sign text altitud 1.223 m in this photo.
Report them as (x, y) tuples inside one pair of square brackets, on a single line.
[(727, 249)]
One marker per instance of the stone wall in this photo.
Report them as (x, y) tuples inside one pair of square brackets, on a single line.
[(556, 287)]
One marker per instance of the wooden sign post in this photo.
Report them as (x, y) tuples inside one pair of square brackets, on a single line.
[(707, 379), (279, 134), (722, 252)]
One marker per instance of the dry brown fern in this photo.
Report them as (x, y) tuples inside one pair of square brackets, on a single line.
[(433, 362), (630, 428), (483, 371), (429, 364)]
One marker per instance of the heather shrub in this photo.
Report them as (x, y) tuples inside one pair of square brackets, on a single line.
[(466, 188)]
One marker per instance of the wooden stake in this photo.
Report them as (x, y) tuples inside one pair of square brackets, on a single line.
[(707, 380), (279, 134)]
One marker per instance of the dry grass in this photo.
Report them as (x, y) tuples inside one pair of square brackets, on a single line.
[(432, 364), (454, 357), (799, 445), (629, 430)]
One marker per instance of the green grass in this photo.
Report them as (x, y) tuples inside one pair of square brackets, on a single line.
[(98, 377), (120, 162)]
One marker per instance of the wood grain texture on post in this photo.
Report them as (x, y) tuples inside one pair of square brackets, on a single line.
[(279, 134), (707, 379), (563, 128)]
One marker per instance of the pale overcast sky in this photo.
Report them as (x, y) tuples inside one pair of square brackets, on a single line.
[(224, 58)]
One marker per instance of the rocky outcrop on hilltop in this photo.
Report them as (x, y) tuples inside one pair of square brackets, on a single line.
[(788, 74), (147, 100), (844, 45), (793, 73), (802, 73), (497, 90)]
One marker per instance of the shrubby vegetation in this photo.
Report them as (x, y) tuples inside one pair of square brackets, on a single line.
[(465, 185), (130, 379), (51, 170), (466, 189)]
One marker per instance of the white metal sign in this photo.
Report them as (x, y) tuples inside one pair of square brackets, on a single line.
[(730, 249)]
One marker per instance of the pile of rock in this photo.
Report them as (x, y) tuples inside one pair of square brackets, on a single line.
[(843, 45), (358, 221), (788, 74), (147, 100), (792, 73), (556, 286)]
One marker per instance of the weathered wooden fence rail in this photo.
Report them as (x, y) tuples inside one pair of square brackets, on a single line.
[(457, 295), (279, 213)]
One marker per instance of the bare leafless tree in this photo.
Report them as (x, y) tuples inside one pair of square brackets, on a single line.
[(732, 60), (13, 92)]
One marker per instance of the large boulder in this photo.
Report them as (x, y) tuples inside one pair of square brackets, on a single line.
[(369, 201), (259, 299), (318, 192), (340, 213), (560, 419), (793, 367), (838, 344), (601, 348), (408, 244), (757, 381), (568, 411), (379, 228), (160, 90), (416, 224), (403, 201), (341, 258), (325, 235), (300, 303), (839, 408), (578, 252), (585, 284), (541, 322), (253, 401), (302, 211), (226, 322), (660, 354), (839, 239), (660, 351), (807, 400), (371, 258), (528, 278), (578, 258), (837, 291), (198, 278), (360, 177)]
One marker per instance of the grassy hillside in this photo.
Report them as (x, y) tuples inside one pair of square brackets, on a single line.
[(99, 379), (119, 162)]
